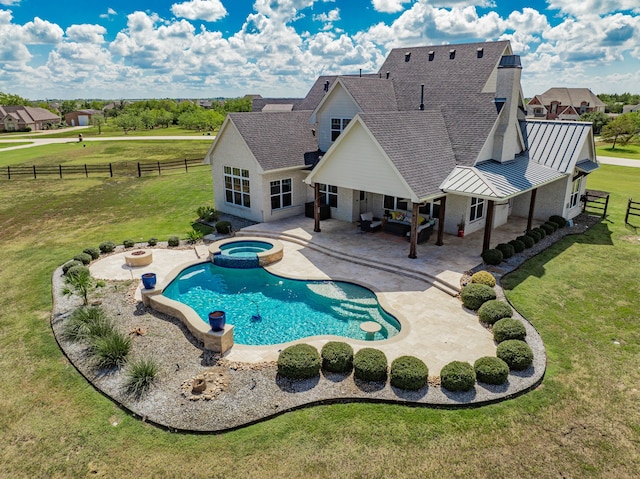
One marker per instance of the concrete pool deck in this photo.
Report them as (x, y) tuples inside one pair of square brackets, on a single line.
[(436, 327)]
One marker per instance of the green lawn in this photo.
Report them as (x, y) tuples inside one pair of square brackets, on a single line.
[(630, 150), (8, 145), (108, 130), (582, 295)]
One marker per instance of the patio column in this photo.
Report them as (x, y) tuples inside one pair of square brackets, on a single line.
[(488, 225), (440, 239), (532, 207), (415, 211), (316, 207)]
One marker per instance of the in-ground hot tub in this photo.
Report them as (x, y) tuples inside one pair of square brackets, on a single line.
[(246, 252)]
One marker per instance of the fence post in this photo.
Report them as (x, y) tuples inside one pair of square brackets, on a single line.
[(186, 166), (159, 170), (86, 172), (606, 205), (8, 172), (626, 217), (34, 172), (60, 169), (139, 172), (110, 171)]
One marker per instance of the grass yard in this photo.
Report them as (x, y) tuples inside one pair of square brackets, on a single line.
[(631, 150), (9, 145), (582, 295), (108, 130)]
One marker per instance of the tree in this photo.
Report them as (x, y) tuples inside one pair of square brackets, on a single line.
[(98, 120), (128, 121), (163, 118), (67, 106), (78, 281), (148, 119), (7, 99), (621, 129), (597, 118)]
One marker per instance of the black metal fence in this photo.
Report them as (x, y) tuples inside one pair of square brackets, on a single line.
[(124, 168)]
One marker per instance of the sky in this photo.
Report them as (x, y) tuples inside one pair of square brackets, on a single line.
[(116, 49)]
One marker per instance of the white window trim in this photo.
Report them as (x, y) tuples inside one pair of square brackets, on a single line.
[(281, 194), (574, 197), (473, 209), (343, 124), (242, 176), (328, 192)]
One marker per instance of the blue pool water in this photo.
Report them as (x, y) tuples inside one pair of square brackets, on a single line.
[(241, 254), (288, 309)]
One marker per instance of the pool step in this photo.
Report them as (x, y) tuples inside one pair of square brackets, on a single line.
[(415, 274)]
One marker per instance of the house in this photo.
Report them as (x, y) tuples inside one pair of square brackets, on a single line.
[(439, 132), (80, 117), (630, 108), (564, 104), (19, 118)]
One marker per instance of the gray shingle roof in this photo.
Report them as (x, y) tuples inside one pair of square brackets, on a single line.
[(278, 139), (371, 93), (418, 145)]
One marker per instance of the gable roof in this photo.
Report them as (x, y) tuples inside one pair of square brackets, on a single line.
[(28, 114), (277, 139), (556, 144), (570, 96)]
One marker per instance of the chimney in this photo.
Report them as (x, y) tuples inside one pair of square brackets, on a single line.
[(507, 97), (422, 96)]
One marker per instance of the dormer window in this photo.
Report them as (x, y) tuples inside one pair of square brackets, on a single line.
[(337, 126)]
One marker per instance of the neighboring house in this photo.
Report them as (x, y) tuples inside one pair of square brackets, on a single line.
[(440, 131), (16, 118), (630, 108), (80, 117), (564, 104)]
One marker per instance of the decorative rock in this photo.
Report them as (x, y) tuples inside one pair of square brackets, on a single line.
[(198, 385)]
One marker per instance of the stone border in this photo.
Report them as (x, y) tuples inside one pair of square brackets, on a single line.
[(265, 258)]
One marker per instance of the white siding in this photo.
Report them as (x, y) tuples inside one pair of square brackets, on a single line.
[(550, 200), (339, 104), (299, 189)]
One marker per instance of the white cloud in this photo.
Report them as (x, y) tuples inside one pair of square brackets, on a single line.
[(110, 13), (389, 6), (207, 10), (591, 8), (41, 31), (9, 2), (86, 33)]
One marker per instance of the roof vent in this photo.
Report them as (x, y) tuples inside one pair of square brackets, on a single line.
[(387, 75), (431, 55), (452, 54), (326, 85), (422, 96), (480, 52), (407, 56)]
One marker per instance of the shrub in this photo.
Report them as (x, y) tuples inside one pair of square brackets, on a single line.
[(559, 220), (92, 251), (458, 376), (517, 354), (84, 258), (409, 372), (194, 236), (337, 357), (475, 295), (77, 270), (527, 240), (547, 228), (491, 370), (223, 227), (483, 277), (541, 232), (551, 225), (107, 247), (370, 365), (129, 243), (140, 376), (508, 328), (518, 245), (207, 213), (493, 311), (85, 323), (70, 264), (173, 241), (492, 256), (299, 361), (110, 350), (506, 249), (152, 241), (534, 235)]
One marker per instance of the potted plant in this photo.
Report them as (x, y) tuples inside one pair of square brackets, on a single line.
[(149, 280), (217, 320), (461, 225)]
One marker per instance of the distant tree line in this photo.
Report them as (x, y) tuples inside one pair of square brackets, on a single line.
[(615, 101)]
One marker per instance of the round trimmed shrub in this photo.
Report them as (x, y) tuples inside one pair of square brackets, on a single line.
[(152, 241), (492, 256), (518, 245), (508, 328), (92, 251), (483, 277), (458, 376), (223, 227), (337, 357), (370, 365), (70, 264), (475, 295), (533, 235), (77, 270), (547, 228), (506, 249), (551, 225), (541, 232), (527, 240), (173, 241), (409, 372), (128, 243), (494, 310), (559, 220), (84, 258), (517, 354), (107, 247), (300, 361), (491, 370)]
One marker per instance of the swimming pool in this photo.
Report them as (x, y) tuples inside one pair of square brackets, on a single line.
[(247, 252), (267, 309)]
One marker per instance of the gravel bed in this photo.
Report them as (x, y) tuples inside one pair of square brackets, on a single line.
[(239, 394)]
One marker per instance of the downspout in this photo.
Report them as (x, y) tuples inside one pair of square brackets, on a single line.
[(316, 207)]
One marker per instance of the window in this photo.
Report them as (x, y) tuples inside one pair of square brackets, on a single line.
[(575, 192), (280, 194), (477, 209), (393, 203), (554, 107), (337, 126), (236, 186), (328, 195), (583, 107)]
